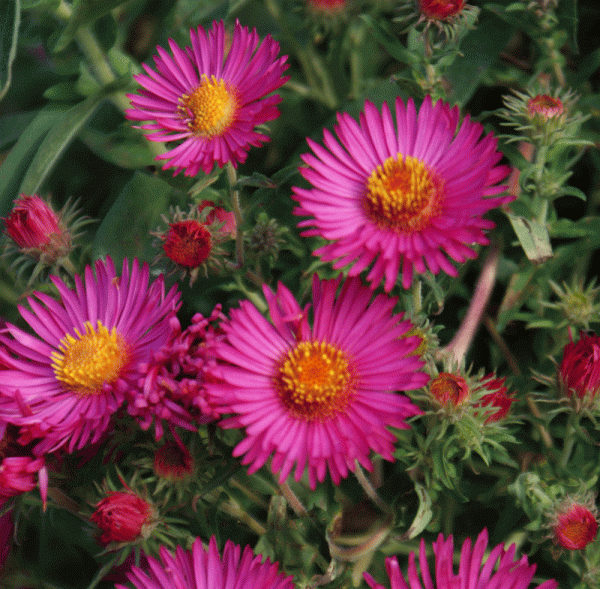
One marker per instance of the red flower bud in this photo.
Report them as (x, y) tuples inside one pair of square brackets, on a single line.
[(449, 390), (36, 228), (219, 215), (575, 526), (123, 516), (497, 397), (173, 461), (441, 9), (188, 243), (579, 371), (544, 106)]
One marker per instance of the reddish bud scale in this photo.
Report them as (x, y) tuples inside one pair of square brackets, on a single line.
[(575, 528), (441, 9), (188, 243), (122, 516), (449, 390)]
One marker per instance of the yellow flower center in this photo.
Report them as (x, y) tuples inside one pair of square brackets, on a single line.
[(314, 381), (88, 361), (211, 107), (403, 194)]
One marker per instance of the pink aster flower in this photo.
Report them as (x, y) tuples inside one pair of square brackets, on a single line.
[(20, 471), (200, 568), (319, 397), (63, 384), (500, 570), (210, 98), (171, 384), (404, 196)]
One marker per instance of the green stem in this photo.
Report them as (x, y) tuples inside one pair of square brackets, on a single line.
[(369, 489), (293, 500), (569, 440), (237, 212)]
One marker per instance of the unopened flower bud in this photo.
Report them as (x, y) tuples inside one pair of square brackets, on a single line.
[(440, 9), (123, 516), (497, 398), (545, 106), (37, 229), (579, 371), (173, 461), (449, 390), (574, 525), (218, 215)]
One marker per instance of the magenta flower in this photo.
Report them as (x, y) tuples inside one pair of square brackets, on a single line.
[(210, 97), (500, 570), (318, 397), (171, 387), (63, 385), (403, 197), (20, 471), (200, 569)]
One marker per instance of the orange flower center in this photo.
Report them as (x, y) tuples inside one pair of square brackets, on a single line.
[(86, 362), (315, 381), (449, 390), (211, 107), (188, 243), (403, 194)]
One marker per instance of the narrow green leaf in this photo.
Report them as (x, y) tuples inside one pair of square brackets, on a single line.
[(533, 237), (56, 142), (124, 148), (15, 165), (424, 513), (392, 45), (10, 18)]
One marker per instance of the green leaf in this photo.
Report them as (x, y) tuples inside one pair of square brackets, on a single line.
[(533, 237), (567, 18), (20, 155), (56, 142), (125, 148), (85, 12), (566, 228), (424, 513), (125, 230), (480, 49), (10, 18), (12, 127), (63, 92), (391, 44)]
